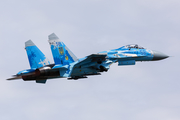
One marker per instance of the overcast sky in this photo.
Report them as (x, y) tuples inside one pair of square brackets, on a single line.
[(146, 91)]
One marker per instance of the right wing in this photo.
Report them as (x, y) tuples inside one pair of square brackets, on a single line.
[(91, 60)]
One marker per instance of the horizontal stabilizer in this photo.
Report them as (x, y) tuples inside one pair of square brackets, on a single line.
[(60, 67), (26, 72)]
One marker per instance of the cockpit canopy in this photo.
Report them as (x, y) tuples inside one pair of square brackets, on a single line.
[(132, 46)]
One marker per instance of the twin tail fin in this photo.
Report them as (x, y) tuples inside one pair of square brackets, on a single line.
[(61, 53), (36, 58)]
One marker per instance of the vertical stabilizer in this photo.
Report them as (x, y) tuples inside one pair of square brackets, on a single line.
[(61, 53), (36, 58)]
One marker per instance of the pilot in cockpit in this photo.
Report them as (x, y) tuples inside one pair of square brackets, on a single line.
[(134, 46)]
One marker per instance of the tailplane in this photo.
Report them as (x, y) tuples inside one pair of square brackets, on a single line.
[(61, 53), (36, 58)]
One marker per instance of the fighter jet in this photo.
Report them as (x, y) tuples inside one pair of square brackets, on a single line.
[(67, 65)]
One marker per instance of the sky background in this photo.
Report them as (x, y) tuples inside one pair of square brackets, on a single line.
[(146, 91)]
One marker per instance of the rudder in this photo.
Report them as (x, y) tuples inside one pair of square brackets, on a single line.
[(61, 53), (36, 58)]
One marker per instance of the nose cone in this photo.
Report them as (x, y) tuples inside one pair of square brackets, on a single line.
[(158, 55)]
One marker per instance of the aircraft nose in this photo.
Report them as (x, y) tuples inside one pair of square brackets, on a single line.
[(158, 55)]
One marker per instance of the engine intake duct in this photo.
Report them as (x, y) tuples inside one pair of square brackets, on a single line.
[(127, 62)]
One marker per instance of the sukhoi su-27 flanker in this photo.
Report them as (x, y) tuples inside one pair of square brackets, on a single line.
[(67, 65)]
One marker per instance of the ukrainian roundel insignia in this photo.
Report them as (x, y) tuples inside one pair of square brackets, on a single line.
[(66, 57), (61, 50)]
